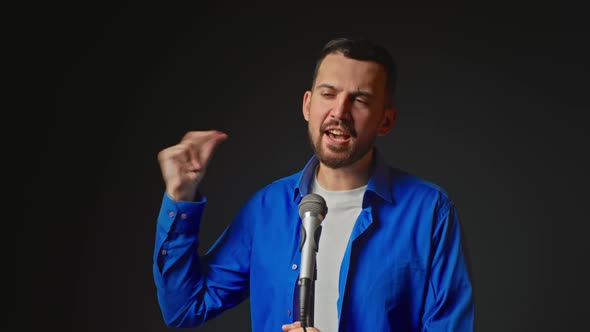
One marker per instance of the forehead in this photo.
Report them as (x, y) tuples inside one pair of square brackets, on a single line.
[(346, 73)]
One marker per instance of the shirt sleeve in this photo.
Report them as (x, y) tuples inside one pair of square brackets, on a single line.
[(449, 301), (193, 289)]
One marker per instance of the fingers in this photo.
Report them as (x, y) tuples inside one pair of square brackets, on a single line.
[(211, 143), (290, 327), (201, 145), (183, 165), (202, 136), (296, 327)]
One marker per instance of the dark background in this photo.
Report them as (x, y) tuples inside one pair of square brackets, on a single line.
[(492, 107)]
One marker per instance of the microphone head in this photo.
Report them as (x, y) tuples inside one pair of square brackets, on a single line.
[(314, 204)]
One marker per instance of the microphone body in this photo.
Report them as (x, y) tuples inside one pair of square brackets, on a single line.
[(312, 211)]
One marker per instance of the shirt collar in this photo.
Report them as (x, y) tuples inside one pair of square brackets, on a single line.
[(379, 181), (303, 183)]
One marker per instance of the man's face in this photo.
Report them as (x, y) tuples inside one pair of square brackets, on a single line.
[(347, 109)]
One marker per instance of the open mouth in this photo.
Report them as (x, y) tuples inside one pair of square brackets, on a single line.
[(338, 136)]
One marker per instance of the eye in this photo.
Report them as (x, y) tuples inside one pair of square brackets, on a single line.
[(361, 100), (328, 94)]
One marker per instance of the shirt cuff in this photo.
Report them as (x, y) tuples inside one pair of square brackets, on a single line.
[(181, 216)]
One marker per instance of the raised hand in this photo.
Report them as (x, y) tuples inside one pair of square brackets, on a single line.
[(183, 165)]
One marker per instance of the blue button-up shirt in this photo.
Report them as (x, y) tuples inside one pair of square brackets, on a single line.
[(403, 269)]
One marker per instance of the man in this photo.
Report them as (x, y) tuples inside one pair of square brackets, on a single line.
[(390, 255)]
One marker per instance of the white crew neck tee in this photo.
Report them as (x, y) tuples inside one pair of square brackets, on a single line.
[(344, 208)]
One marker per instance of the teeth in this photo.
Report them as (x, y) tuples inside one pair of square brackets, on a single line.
[(336, 132)]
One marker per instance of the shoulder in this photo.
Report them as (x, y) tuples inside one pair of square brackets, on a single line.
[(406, 185), (277, 190), (404, 180)]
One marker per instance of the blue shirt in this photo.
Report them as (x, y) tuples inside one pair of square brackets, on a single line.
[(403, 270)]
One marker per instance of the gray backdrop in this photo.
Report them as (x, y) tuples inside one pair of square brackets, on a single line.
[(491, 101)]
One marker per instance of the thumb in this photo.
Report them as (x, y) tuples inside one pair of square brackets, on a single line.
[(289, 327)]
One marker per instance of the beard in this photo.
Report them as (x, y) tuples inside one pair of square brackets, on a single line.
[(342, 155)]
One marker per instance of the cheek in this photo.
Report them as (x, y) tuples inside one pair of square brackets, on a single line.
[(314, 126), (319, 106), (316, 117), (365, 124)]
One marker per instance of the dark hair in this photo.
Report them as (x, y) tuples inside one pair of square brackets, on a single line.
[(364, 50)]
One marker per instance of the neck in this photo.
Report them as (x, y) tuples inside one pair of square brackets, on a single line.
[(345, 178)]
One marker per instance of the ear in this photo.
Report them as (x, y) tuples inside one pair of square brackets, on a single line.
[(306, 104), (388, 121)]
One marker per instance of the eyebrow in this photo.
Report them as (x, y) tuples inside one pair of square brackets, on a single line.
[(362, 93), (357, 93), (325, 85)]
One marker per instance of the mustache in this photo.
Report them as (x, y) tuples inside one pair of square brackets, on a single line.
[(347, 125)]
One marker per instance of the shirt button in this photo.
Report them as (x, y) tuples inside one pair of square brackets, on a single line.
[(288, 312), (183, 216), (164, 252), (171, 214), (294, 267)]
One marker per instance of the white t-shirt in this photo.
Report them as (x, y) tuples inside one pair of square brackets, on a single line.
[(344, 208)]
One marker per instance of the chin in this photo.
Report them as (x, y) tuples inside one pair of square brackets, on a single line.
[(335, 160)]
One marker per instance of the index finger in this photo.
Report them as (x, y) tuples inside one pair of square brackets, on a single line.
[(196, 136)]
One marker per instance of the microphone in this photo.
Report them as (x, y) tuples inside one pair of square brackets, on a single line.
[(312, 211)]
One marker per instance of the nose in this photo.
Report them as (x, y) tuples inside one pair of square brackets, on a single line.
[(341, 109)]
